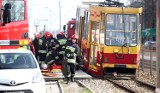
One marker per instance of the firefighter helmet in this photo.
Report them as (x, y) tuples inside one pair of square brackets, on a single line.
[(47, 34), (37, 35), (60, 34), (74, 36)]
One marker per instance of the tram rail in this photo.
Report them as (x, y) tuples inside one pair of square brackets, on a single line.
[(123, 87), (146, 84), (54, 87), (134, 86)]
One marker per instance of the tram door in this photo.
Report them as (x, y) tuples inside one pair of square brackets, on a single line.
[(94, 44)]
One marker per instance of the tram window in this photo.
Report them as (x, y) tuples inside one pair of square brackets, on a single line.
[(86, 25), (121, 29), (17, 9), (95, 32)]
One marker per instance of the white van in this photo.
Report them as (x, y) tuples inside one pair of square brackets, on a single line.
[(20, 72)]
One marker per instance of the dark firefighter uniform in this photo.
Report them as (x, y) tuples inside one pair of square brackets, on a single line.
[(42, 49), (51, 43), (35, 43), (61, 45), (72, 49), (51, 56)]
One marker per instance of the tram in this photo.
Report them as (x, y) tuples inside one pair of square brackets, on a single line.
[(110, 39)]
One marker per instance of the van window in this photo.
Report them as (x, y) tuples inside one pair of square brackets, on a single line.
[(16, 61)]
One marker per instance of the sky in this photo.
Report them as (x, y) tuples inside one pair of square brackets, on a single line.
[(45, 13)]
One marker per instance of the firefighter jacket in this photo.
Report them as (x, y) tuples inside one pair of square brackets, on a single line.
[(35, 43), (48, 41), (61, 45), (51, 57), (42, 45), (71, 52), (51, 44)]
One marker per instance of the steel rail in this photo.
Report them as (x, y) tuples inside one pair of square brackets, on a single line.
[(58, 84), (146, 84), (123, 87), (81, 83)]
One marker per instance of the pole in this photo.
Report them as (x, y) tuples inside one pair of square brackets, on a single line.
[(59, 15), (36, 28), (157, 47), (50, 22), (44, 27), (151, 47)]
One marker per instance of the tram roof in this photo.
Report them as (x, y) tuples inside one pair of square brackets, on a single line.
[(118, 10)]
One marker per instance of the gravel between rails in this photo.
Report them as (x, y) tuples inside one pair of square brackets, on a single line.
[(102, 86), (132, 84)]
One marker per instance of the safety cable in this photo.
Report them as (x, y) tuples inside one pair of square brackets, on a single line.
[(124, 37)]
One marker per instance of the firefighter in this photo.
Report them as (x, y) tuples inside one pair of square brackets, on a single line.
[(51, 57), (51, 42), (42, 48), (35, 43), (72, 49), (61, 45)]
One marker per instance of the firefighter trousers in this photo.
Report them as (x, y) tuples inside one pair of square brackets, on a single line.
[(71, 68), (42, 57)]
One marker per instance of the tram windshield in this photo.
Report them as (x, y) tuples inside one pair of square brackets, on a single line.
[(121, 30)]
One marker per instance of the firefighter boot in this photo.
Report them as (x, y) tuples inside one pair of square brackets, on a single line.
[(67, 80), (72, 78)]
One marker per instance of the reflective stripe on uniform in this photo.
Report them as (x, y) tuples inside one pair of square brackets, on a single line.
[(42, 51), (63, 47), (70, 48), (71, 60), (56, 57), (49, 53), (50, 62), (61, 52), (40, 41), (68, 75), (41, 62), (54, 47), (57, 45), (62, 41)]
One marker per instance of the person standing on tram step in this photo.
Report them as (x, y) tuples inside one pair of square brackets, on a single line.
[(72, 49)]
